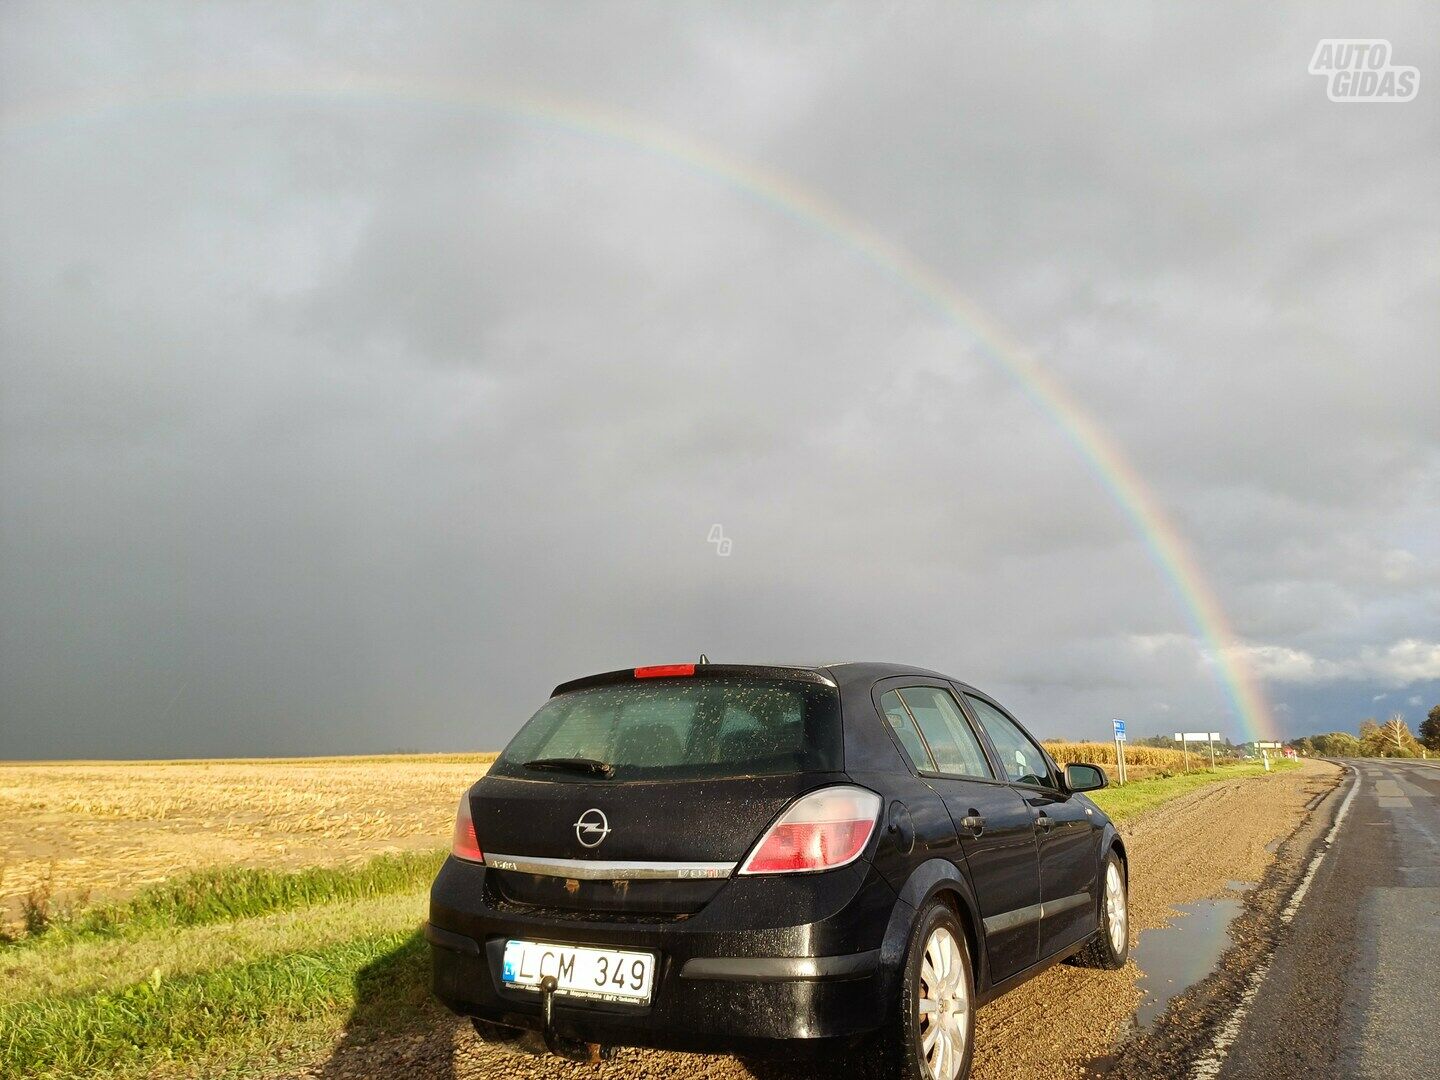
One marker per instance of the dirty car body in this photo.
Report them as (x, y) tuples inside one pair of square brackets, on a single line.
[(733, 858)]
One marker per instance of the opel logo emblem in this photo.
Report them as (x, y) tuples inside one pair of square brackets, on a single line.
[(592, 827)]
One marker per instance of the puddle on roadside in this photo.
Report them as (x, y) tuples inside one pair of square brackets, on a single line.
[(1240, 886), (1175, 957)]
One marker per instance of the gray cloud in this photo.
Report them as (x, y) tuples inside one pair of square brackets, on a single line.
[(339, 413)]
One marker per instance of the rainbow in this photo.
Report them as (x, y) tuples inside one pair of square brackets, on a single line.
[(1100, 453)]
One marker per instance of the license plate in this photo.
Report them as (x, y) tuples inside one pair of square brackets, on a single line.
[(581, 971)]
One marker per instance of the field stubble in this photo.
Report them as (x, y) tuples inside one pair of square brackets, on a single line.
[(71, 831)]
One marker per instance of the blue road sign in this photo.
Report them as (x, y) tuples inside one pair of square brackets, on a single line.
[(1119, 729)]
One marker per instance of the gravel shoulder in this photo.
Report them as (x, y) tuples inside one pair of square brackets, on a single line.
[(1185, 1032), (1069, 1022), (1346, 986)]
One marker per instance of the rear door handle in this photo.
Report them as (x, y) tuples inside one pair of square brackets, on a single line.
[(973, 823)]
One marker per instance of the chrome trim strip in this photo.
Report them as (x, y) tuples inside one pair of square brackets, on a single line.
[(774, 968), (1009, 920), (1065, 903), (598, 870)]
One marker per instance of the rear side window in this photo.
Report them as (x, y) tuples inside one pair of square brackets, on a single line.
[(678, 729), (1022, 759), (952, 743), (904, 727)]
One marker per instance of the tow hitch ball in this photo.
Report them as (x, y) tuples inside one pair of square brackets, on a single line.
[(574, 1049)]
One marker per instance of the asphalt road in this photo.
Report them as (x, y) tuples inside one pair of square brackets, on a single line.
[(1353, 987)]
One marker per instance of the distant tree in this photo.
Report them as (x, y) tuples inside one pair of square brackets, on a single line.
[(1372, 742), (1337, 744), (1390, 739), (1430, 730), (1161, 742)]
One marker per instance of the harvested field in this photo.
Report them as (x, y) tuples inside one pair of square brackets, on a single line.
[(78, 830)]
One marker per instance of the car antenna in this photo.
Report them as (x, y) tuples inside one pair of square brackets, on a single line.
[(704, 659)]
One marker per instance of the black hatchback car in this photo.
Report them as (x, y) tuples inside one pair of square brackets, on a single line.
[(741, 858)]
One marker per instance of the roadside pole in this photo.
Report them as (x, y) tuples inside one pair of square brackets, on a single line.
[(1185, 738), (1119, 750)]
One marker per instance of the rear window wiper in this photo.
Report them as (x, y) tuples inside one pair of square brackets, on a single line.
[(590, 766)]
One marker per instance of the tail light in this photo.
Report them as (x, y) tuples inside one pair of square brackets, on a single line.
[(662, 671), (818, 831), (465, 845)]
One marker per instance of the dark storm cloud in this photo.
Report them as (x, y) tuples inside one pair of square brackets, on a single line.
[(355, 420)]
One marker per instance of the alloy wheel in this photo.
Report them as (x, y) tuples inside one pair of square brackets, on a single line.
[(943, 1005), (1115, 913)]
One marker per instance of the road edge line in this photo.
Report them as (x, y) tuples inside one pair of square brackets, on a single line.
[(1208, 1065)]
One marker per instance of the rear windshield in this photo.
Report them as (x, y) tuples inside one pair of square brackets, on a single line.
[(683, 729)]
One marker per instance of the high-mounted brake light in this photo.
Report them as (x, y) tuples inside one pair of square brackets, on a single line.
[(819, 831), (465, 845), (660, 671)]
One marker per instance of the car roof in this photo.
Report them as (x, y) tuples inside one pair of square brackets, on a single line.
[(855, 674), (864, 669), (850, 674)]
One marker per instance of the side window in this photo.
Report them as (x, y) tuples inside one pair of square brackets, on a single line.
[(1023, 761), (954, 746), (899, 719)]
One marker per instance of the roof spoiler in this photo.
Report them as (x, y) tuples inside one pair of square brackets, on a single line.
[(667, 672)]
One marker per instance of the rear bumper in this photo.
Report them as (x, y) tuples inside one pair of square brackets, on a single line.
[(767, 961)]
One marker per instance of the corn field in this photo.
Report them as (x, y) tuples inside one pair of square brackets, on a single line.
[(1145, 757)]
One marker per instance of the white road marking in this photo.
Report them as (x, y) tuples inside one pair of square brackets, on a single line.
[(1304, 887), (1209, 1064)]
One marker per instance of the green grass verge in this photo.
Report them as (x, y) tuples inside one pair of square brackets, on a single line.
[(372, 983), (91, 964), (229, 893), (1140, 795)]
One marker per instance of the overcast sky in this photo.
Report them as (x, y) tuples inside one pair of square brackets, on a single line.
[(341, 415)]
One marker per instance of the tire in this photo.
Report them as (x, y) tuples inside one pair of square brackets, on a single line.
[(496, 1033), (938, 977), (1110, 947)]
